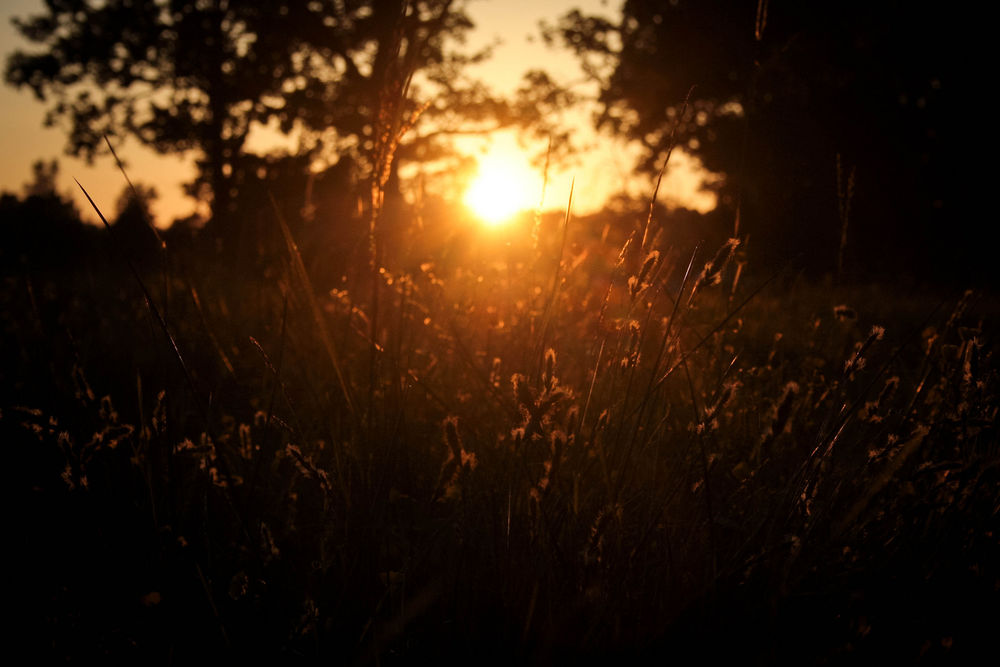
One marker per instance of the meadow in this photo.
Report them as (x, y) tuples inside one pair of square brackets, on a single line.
[(564, 439)]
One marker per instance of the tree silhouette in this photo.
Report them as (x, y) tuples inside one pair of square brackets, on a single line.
[(41, 229), (133, 222), (184, 75), (783, 97)]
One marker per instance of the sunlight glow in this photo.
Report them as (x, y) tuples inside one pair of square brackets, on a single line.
[(504, 185)]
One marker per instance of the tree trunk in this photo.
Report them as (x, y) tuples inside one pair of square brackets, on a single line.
[(218, 157)]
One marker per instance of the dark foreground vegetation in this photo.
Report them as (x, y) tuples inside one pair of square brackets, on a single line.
[(505, 450), (380, 434)]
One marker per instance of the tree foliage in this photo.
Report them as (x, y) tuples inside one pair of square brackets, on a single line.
[(184, 75), (782, 95)]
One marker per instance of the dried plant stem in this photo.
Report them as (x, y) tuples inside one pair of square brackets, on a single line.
[(554, 290), (305, 287)]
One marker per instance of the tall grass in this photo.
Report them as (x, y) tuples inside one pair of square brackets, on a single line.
[(584, 445)]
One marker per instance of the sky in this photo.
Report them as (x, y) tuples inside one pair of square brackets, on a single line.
[(605, 167)]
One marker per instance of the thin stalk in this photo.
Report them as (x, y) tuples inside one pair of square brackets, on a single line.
[(305, 285), (553, 292)]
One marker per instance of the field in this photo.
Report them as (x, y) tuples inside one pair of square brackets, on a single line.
[(561, 440)]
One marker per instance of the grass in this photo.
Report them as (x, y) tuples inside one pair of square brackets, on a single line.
[(535, 453)]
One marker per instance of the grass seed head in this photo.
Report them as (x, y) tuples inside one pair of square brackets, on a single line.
[(711, 275), (845, 313), (549, 379)]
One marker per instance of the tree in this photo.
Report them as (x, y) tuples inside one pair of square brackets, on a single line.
[(133, 230), (784, 96), (43, 228), (184, 75)]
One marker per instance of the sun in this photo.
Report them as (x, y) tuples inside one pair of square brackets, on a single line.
[(504, 186)]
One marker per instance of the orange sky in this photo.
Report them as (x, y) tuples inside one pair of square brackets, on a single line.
[(604, 168)]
